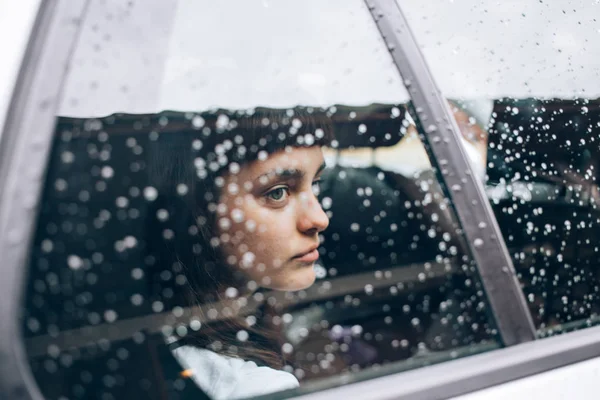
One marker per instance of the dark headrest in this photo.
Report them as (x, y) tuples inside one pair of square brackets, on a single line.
[(556, 138)]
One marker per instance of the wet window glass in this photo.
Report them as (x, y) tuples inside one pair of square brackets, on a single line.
[(522, 81), (237, 200)]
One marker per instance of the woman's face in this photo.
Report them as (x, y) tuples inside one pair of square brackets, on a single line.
[(269, 218)]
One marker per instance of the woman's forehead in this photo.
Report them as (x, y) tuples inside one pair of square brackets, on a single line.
[(304, 159)]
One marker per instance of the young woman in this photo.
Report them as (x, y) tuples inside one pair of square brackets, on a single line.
[(238, 212)]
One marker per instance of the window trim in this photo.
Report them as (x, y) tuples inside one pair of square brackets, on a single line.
[(481, 230), (24, 148), (469, 374)]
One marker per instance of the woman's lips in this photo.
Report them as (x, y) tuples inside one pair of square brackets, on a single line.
[(311, 256)]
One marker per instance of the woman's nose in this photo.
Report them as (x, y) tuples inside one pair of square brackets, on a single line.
[(311, 215)]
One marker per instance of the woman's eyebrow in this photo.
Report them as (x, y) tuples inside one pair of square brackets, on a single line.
[(287, 173), (321, 168)]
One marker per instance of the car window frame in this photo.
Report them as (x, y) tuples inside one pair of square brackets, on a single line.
[(25, 147), (440, 131)]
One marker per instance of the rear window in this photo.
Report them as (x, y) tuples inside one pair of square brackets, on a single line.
[(150, 274), (526, 72)]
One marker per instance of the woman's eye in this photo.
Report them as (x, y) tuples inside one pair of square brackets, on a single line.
[(278, 194)]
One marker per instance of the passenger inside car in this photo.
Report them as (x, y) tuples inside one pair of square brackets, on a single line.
[(247, 197)]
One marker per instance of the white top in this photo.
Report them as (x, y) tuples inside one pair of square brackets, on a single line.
[(223, 377)]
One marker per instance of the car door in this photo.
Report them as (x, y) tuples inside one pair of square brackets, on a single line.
[(125, 69)]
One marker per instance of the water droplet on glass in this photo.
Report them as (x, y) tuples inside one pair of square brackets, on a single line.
[(107, 172), (248, 259), (110, 315), (242, 335), (237, 215), (287, 348), (182, 189), (150, 193), (222, 121), (198, 122), (74, 262), (197, 144)]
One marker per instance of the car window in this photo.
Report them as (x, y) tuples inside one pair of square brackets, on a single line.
[(521, 79), (134, 289)]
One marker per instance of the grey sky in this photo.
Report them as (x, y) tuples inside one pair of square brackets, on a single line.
[(198, 54)]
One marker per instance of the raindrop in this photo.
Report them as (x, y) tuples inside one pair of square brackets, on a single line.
[(198, 122), (248, 259), (195, 324), (182, 189), (197, 144), (130, 242), (67, 157), (122, 202), (162, 215), (222, 121), (242, 335), (158, 306), (74, 262), (150, 193), (478, 242), (47, 245), (250, 225), (107, 172), (60, 185), (110, 315), (137, 299), (237, 215), (137, 273)]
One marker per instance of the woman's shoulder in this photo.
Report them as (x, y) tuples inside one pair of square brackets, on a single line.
[(223, 377)]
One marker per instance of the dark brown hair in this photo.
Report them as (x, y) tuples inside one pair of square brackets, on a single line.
[(188, 266)]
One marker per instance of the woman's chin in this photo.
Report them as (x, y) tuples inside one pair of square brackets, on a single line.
[(297, 280)]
